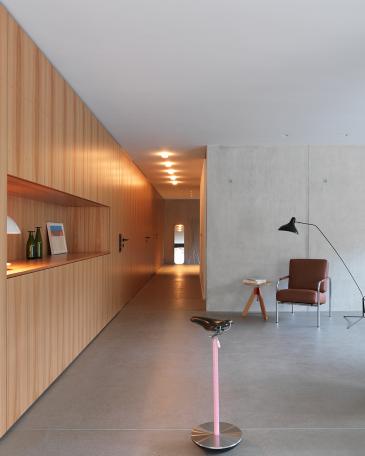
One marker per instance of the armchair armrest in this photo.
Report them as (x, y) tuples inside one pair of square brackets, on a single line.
[(280, 280), (322, 281)]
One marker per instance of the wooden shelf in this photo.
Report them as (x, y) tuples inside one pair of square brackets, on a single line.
[(37, 192), (18, 268)]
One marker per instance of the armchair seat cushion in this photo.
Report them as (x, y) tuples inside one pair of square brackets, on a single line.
[(300, 296)]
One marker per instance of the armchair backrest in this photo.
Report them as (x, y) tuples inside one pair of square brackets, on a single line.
[(306, 273)]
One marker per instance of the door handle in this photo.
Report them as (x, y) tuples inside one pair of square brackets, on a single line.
[(122, 241)]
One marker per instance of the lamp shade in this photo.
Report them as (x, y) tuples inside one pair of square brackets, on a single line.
[(11, 226), (289, 226)]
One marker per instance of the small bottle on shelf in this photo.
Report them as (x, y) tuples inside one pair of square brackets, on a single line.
[(38, 243), (30, 249)]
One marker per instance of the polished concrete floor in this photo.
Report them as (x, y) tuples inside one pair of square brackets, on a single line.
[(144, 382)]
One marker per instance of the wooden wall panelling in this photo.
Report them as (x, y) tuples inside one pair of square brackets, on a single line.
[(46, 320), (54, 140), (21, 98), (87, 151), (126, 228), (3, 212), (58, 168), (116, 217), (17, 347), (51, 128), (70, 139), (86, 228), (79, 152)]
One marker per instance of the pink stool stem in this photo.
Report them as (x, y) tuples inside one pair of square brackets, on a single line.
[(215, 347)]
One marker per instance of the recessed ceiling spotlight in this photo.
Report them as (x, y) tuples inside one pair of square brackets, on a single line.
[(167, 164), (173, 178), (164, 154), (174, 182), (347, 134), (285, 135), (170, 171)]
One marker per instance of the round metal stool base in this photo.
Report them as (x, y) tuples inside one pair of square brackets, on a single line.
[(229, 436)]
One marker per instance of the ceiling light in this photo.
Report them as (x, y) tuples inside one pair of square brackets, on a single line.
[(170, 171), (173, 178), (164, 154), (174, 182), (167, 164)]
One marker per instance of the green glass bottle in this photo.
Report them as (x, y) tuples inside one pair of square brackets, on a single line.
[(38, 243), (30, 250)]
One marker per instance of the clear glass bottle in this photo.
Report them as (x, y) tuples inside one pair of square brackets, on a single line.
[(38, 243), (30, 249)]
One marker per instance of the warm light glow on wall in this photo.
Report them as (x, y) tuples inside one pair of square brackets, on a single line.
[(170, 171), (173, 178), (168, 164), (174, 182)]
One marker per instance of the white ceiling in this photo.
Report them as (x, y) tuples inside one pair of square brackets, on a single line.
[(180, 74)]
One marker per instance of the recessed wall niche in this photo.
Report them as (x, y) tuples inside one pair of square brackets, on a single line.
[(86, 224)]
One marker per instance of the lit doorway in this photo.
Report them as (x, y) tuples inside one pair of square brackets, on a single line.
[(179, 256)]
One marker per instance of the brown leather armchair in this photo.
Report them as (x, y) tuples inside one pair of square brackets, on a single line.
[(308, 284)]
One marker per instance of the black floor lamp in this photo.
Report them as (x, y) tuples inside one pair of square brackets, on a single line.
[(292, 229)]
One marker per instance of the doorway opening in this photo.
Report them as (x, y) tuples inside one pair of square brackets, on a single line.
[(179, 256)]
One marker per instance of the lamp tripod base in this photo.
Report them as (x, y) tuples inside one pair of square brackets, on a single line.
[(229, 436), (358, 317), (352, 323)]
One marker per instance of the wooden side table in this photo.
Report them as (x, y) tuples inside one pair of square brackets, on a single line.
[(256, 293)]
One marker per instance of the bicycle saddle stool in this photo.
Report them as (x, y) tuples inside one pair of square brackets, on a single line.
[(211, 324)]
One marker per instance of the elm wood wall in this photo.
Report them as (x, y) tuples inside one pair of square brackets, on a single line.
[(53, 139), (51, 317), (185, 212), (203, 229), (87, 228), (3, 171)]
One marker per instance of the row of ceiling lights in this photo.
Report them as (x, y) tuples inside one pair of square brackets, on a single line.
[(168, 164)]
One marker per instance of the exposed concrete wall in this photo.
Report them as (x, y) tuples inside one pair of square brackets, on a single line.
[(251, 191)]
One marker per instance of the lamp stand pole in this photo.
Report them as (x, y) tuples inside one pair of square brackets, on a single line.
[(346, 317)]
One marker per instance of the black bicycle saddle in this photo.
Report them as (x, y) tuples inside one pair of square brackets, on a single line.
[(211, 324)]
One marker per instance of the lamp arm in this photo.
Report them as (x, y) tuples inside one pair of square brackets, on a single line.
[(339, 256)]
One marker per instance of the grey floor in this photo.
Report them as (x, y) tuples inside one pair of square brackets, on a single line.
[(144, 382)]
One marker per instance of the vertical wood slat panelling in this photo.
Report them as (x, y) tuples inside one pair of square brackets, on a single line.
[(55, 140), (49, 324), (86, 228), (3, 211)]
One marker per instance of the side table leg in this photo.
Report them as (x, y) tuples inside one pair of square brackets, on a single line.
[(248, 304), (262, 305)]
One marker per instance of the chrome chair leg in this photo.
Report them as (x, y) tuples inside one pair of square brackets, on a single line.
[(292, 308), (277, 312), (318, 316), (330, 298)]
